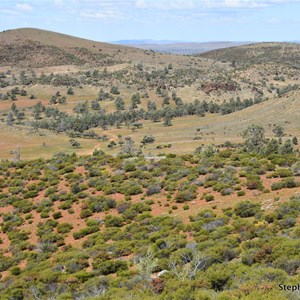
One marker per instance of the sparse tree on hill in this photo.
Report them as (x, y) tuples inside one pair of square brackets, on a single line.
[(14, 108), (189, 265), (81, 108), (166, 100), (10, 119), (95, 105), (147, 265), (148, 139), (53, 100), (74, 143), (279, 131), (114, 90), (128, 147), (70, 91), (272, 147), (254, 137), (20, 116), (62, 100), (167, 121), (151, 105), (112, 144), (37, 110), (17, 154), (120, 104), (286, 148), (295, 140)]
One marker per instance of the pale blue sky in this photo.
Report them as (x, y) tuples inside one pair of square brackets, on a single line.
[(186, 20)]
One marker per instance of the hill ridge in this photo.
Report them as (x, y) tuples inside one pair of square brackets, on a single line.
[(283, 52)]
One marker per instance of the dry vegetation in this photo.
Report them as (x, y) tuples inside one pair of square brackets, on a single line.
[(190, 78), (118, 163)]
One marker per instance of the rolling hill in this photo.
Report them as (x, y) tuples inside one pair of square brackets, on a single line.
[(30, 47), (162, 81), (287, 53)]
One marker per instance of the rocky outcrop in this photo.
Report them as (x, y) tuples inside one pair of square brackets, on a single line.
[(216, 86)]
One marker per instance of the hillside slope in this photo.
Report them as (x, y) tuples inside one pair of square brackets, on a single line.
[(29, 47), (284, 111), (287, 53)]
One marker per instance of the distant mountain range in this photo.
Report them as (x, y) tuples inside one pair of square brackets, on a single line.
[(179, 47), (146, 42)]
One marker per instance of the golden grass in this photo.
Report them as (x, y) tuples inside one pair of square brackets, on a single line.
[(31, 143), (183, 135)]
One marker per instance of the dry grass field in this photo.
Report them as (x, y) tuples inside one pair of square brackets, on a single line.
[(206, 78)]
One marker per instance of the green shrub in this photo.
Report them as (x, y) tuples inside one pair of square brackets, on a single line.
[(129, 167), (246, 209), (64, 228), (185, 207), (209, 198), (113, 221), (185, 196), (253, 182), (16, 271), (85, 231), (85, 213), (109, 266), (282, 173), (44, 215), (57, 215), (285, 183), (131, 188), (241, 193)]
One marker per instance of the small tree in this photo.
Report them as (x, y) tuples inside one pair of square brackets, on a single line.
[(111, 144), (295, 140), (254, 137), (128, 147), (62, 100), (279, 131), (147, 266), (37, 110), (14, 108), (70, 91), (20, 116), (148, 139), (95, 105), (10, 119), (272, 147), (114, 90), (189, 265), (120, 104), (53, 100), (167, 121), (166, 100), (81, 108), (74, 143), (17, 154), (286, 148)]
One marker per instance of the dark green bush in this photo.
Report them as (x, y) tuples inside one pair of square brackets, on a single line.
[(246, 209)]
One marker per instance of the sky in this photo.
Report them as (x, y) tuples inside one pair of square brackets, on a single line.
[(181, 20)]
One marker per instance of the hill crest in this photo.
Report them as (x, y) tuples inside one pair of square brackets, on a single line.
[(31, 47)]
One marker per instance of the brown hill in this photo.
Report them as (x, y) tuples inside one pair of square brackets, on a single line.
[(29, 47), (288, 53)]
